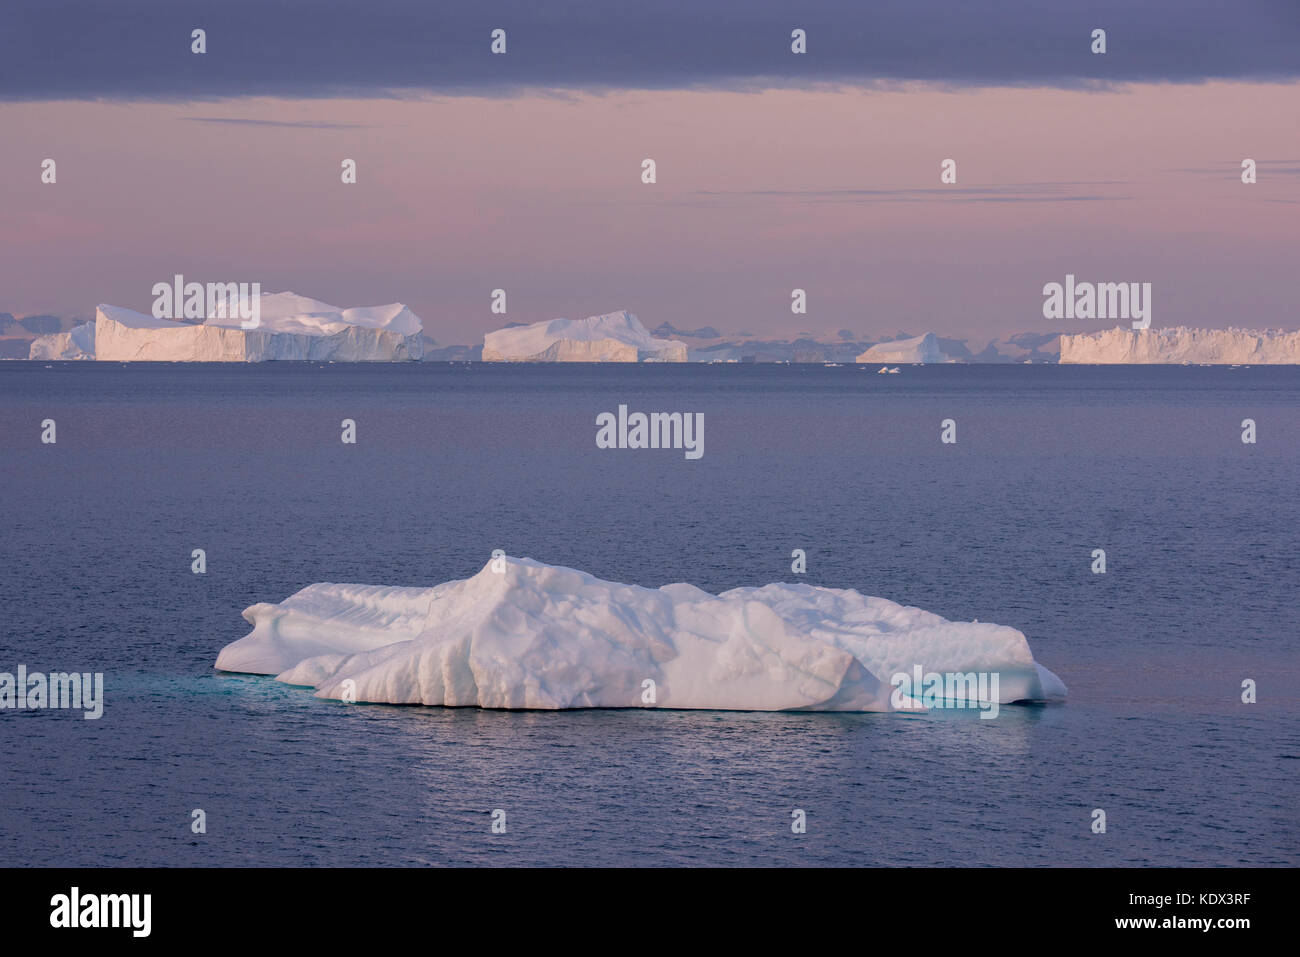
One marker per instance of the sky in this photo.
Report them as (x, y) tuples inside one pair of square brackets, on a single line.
[(775, 171)]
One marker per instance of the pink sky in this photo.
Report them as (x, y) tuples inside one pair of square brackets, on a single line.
[(542, 196)]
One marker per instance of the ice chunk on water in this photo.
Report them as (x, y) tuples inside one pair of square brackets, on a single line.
[(531, 635)]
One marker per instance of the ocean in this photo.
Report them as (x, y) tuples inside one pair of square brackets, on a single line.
[(451, 461)]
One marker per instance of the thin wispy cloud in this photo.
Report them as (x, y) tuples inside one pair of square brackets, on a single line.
[(302, 125), (1232, 169), (1045, 192)]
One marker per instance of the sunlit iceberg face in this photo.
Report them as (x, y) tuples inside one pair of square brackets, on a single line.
[(613, 337), (523, 634), (277, 326)]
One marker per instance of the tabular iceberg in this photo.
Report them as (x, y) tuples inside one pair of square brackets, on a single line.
[(77, 343), (537, 636), (613, 337), (917, 349), (291, 327), (1181, 344)]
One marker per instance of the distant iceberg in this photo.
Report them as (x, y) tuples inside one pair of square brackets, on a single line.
[(77, 343), (529, 635), (613, 337), (291, 327), (923, 348), (1182, 345)]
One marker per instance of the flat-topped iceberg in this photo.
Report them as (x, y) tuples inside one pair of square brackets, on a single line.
[(1182, 345), (613, 337), (290, 327), (523, 634)]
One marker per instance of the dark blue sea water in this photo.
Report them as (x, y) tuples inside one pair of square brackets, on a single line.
[(1201, 534)]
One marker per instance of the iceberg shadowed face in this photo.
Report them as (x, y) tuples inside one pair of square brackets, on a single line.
[(951, 689)]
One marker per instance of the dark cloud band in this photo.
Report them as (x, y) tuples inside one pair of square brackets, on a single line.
[(140, 49)]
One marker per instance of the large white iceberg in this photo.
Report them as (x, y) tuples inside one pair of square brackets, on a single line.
[(530, 635), (613, 337), (923, 348), (77, 343), (1182, 345), (291, 327)]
